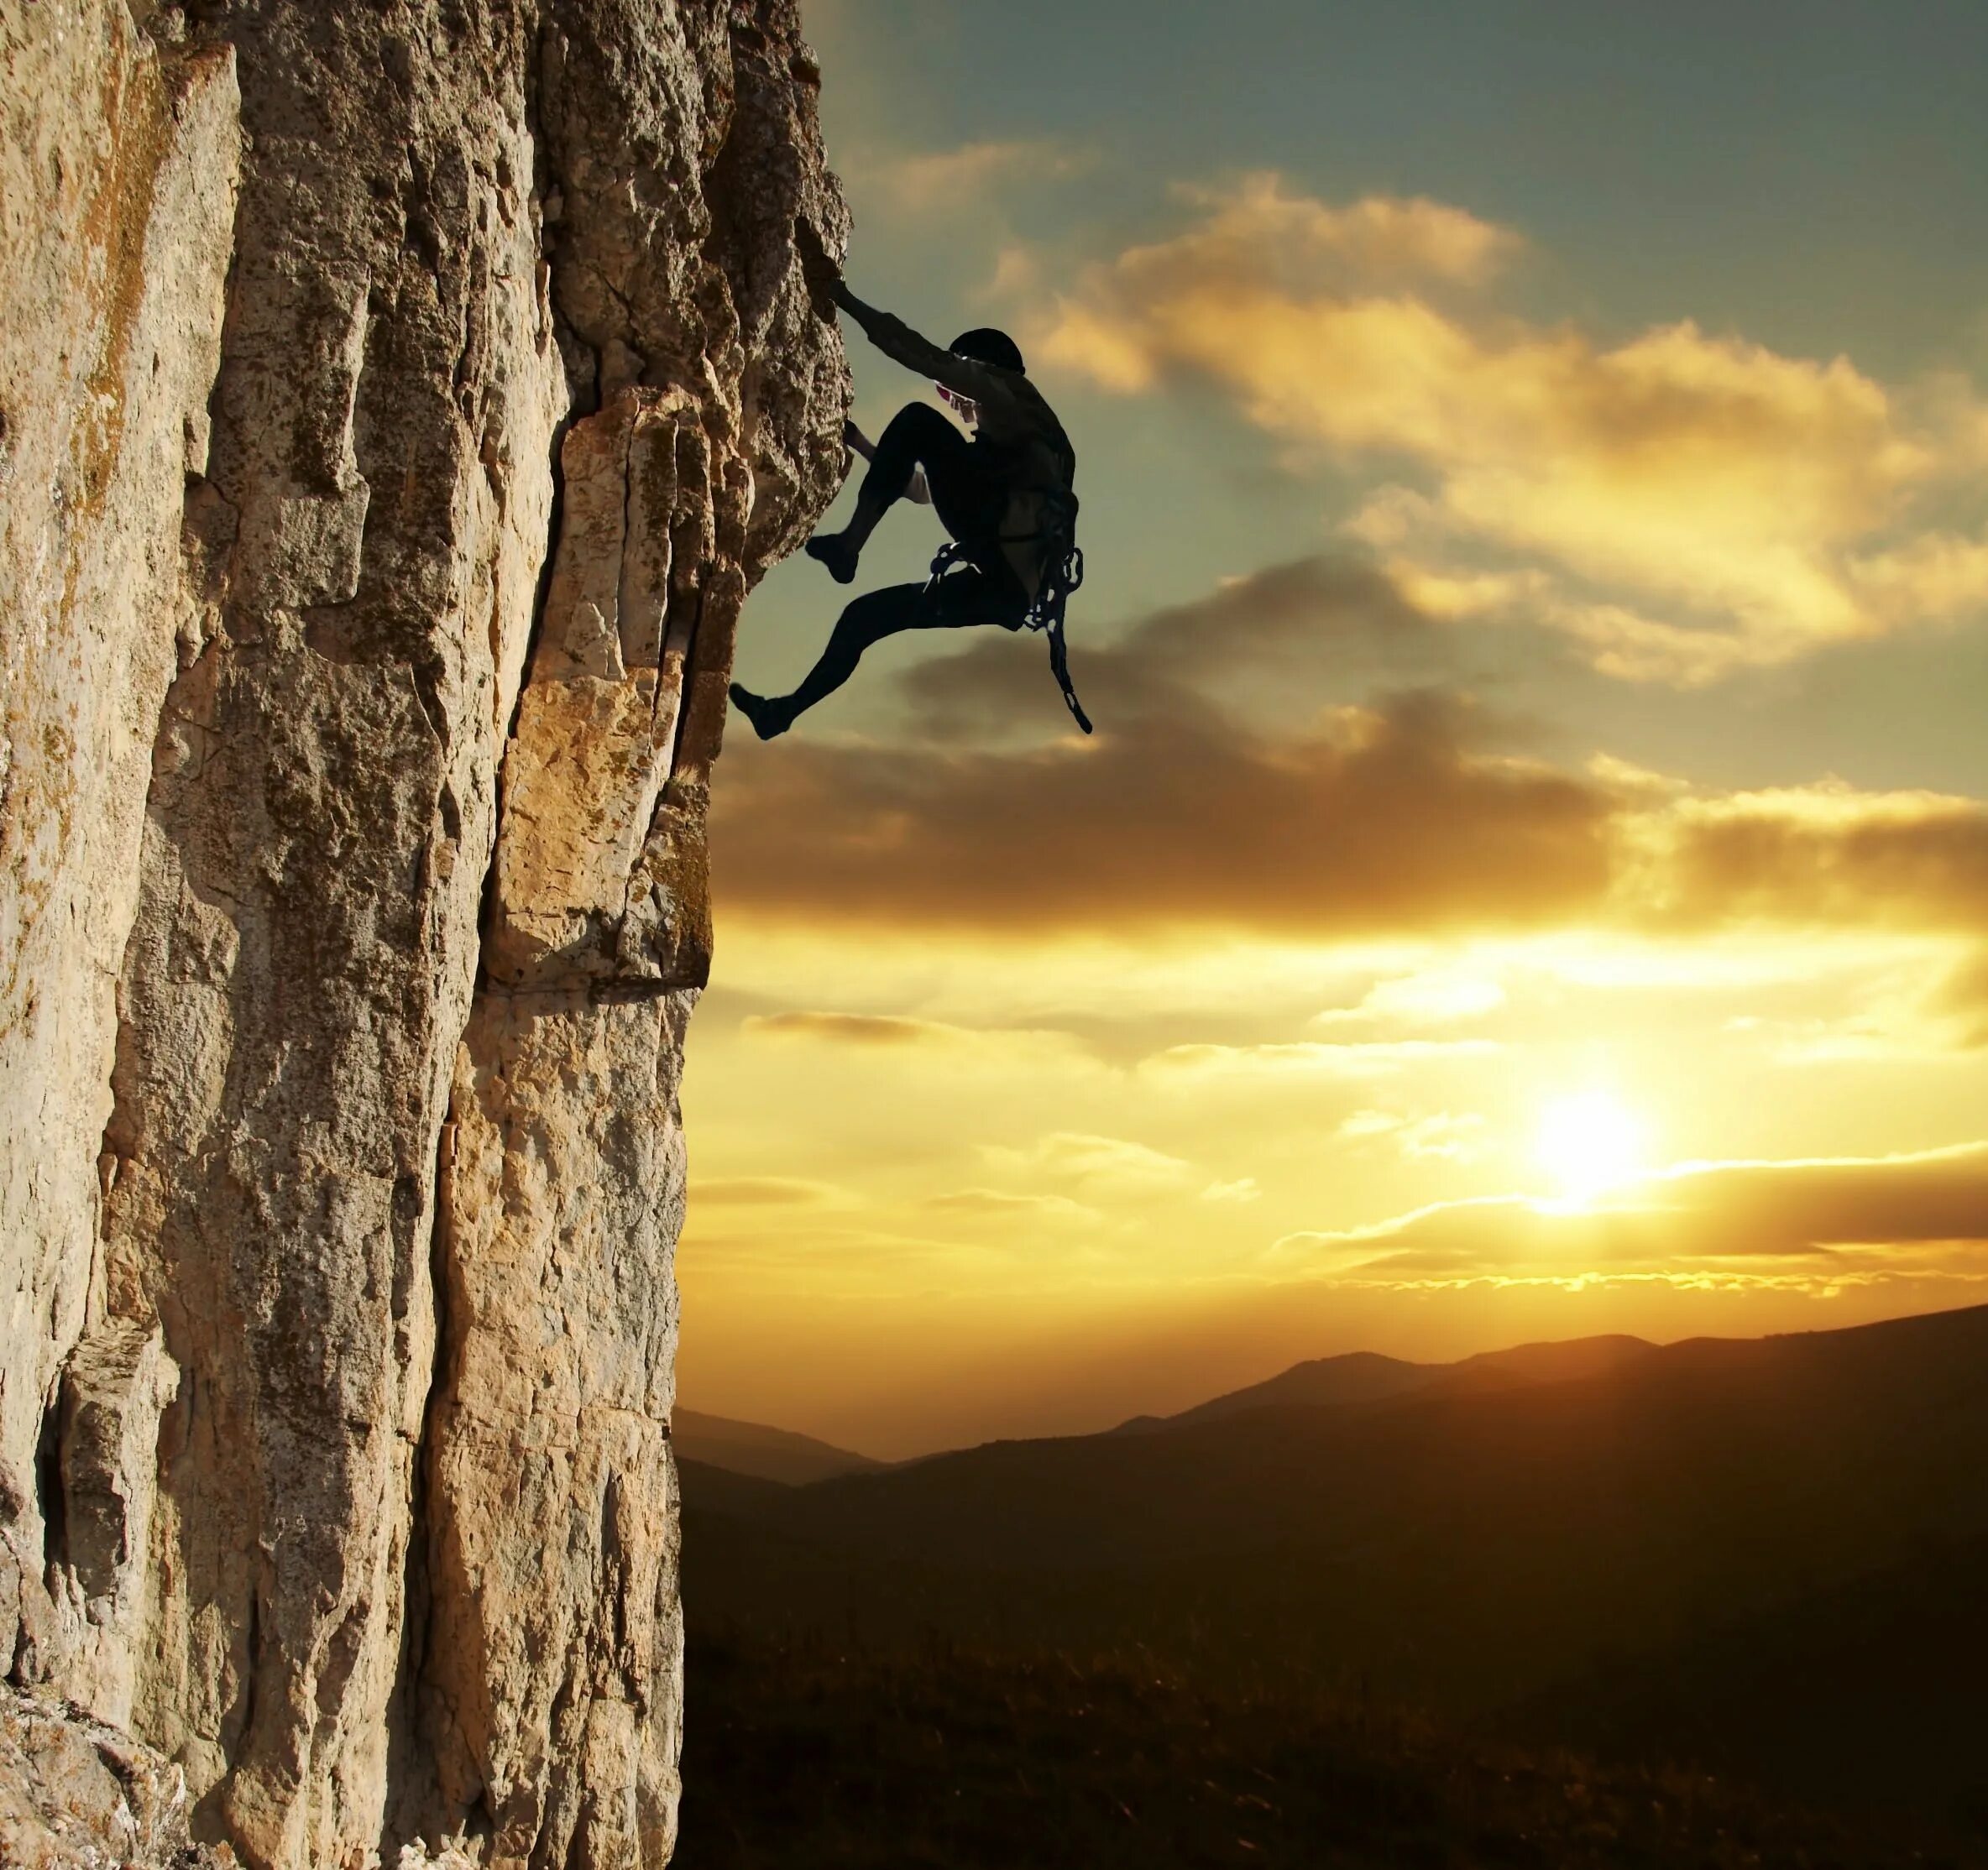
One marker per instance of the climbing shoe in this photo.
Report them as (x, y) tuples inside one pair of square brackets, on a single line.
[(768, 717), (833, 550)]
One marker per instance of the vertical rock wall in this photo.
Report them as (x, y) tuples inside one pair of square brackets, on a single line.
[(383, 476), (117, 175)]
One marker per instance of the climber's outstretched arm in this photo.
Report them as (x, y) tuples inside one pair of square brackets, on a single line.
[(979, 382)]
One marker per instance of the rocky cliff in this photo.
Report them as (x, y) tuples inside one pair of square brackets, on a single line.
[(397, 401)]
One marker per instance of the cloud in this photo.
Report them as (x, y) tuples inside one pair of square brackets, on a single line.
[(874, 1032), (1336, 611), (1819, 855), (1099, 1165), (1400, 814), (1434, 996), (1253, 231), (1418, 813), (1963, 996), (1173, 305), (1698, 502), (1439, 1137), (999, 1205), (1353, 1058), (1928, 1211), (762, 1191), (1243, 1190), (1626, 643), (857, 1029), (927, 182)]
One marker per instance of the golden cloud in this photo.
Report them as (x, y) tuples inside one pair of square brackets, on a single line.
[(944, 181), (999, 1205), (1409, 816), (1750, 495), (890, 1032), (1177, 815), (1963, 996), (1254, 231), (1281, 620), (1102, 1165), (762, 1191), (1434, 996), (1438, 1137), (859, 1029), (1823, 854), (1925, 1212), (1356, 1058)]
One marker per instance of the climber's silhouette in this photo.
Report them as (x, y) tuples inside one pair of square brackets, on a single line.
[(1005, 497)]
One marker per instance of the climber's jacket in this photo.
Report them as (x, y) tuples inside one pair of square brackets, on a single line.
[(1019, 436)]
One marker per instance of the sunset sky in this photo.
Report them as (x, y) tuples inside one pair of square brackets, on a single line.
[(1530, 878)]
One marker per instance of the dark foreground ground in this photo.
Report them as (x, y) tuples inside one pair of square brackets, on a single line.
[(810, 1755)]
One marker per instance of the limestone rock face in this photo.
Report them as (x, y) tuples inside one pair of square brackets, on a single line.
[(118, 177), (397, 403), (78, 1794)]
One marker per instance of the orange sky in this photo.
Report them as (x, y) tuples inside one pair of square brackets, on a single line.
[(1530, 878)]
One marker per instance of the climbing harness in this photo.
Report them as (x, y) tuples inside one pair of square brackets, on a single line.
[(1063, 573)]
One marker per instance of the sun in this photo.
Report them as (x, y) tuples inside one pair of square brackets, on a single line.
[(1590, 1142)]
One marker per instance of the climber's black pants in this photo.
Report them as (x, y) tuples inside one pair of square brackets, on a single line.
[(968, 495), (970, 501), (962, 597)]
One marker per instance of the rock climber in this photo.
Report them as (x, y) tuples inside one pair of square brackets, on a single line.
[(1005, 497)]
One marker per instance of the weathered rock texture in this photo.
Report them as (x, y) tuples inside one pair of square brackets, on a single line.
[(397, 401), (78, 1794)]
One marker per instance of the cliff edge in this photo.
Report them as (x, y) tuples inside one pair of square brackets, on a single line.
[(397, 403)]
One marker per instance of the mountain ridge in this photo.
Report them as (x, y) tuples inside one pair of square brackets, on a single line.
[(1362, 1377), (761, 1452), (1604, 1548)]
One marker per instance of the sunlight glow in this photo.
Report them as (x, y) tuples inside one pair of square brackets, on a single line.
[(1589, 1142)]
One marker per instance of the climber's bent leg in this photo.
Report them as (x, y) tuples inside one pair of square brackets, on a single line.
[(866, 621), (960, 600), (917, 436)]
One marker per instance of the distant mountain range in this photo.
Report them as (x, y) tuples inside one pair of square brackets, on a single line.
[(1366, 1376), (760, 1453), (763, 1453), (1606, 1540)]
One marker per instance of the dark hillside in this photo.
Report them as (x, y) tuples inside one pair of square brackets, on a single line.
[(1874, 1693), (1692, 1529), (835, 1758)]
